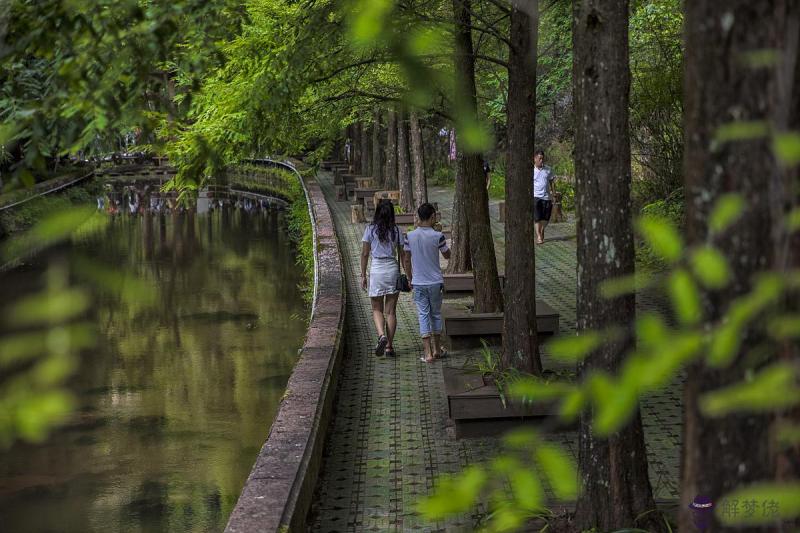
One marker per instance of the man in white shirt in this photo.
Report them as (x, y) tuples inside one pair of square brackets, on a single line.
[(542, 205)]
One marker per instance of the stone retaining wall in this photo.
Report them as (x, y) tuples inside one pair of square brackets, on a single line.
[(280, 488)]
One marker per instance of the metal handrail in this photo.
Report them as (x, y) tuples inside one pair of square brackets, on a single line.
[(292, 168), (48, 191)]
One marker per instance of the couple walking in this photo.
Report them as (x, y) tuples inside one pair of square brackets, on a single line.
[(418, 252)]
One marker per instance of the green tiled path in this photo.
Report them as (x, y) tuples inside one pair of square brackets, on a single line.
[(390, 436)]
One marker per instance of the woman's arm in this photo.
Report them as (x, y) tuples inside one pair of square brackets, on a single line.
[(365, 249)]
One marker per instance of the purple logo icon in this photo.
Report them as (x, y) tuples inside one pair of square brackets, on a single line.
[(702, 508)]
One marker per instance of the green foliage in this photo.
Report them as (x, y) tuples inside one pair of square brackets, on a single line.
[(670, 210), (728, 209), (787, 147), (774, 388), (302, 233), (741, 130), (76, 75), (656, 108), (444, 176), (529, 464), (661, 350), (25, 215), (662, 237), (497, 188)]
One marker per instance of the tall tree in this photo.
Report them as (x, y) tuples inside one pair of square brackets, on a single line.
[(418, 161), (390, 176), (519, 325), (404, 165), (488, 296), (720, 87), (613, 471), (377, 148), (784, 197), (365, 155), (460, 256)]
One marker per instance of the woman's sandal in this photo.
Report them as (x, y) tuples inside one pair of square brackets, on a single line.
[(424, 360), (381, 346), (442, 354)]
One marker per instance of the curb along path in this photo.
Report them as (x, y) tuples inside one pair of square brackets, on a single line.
[(391, 437)]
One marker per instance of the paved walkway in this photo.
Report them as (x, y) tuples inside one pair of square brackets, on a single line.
[(391, 437)]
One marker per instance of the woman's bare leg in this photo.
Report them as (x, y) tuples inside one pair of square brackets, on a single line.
[(377, 314), (391, 317)]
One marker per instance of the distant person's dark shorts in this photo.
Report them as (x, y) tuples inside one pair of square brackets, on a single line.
[(542, 209)]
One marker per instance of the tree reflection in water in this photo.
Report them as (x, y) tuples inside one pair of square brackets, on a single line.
[(177, 398)]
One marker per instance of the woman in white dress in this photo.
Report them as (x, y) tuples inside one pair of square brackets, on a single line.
[(381, 243)]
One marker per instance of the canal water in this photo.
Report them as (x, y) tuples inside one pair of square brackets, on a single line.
[(177, 398)]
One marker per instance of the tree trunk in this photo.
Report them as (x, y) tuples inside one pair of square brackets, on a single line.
[(390, 182), (418, 161), (377, 149), (460, 257), (783, 200), (615, 488), (488, 296), (356, 146), (404, 165), (363, 135), (721, 454), (519, 324)]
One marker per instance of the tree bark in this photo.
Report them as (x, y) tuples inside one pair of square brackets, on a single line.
[(783, 200), (460, 257), (363, 135), (377, 149), (404, 165), (418, 161), (488, 296), (520, 347), (390, 176), (356, 146), (615, 488), (721, 454)]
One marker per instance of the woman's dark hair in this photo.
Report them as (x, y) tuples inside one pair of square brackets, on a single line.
[(383, 221), (426, 211)]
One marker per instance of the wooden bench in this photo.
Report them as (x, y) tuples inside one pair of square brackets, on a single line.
[(404, 219), (394, 196), (363, 193), (365, 182), (349, 189), (464, 329), (463, 283)]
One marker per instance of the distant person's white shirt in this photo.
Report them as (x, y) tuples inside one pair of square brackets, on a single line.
[(541, 178)]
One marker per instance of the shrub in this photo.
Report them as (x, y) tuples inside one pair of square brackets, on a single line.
[(444, 175)]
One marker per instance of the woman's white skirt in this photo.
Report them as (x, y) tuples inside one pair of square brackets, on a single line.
[(383, 274)]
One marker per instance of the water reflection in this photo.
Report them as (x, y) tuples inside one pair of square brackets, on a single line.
[(177, 398)]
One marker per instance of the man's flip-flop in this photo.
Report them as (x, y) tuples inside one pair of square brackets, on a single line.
[(427, 360)]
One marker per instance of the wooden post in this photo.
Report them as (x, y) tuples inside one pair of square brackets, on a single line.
[(557, 214), (502, 207), (357, 213)]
